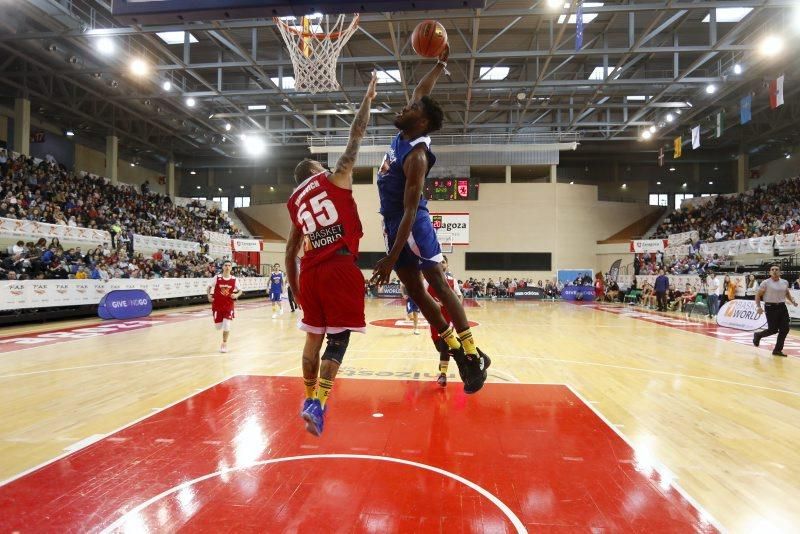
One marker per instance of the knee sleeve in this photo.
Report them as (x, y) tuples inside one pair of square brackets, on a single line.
[(337, 346)]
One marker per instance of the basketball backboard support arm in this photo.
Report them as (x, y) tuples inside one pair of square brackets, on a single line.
[(180, 11)]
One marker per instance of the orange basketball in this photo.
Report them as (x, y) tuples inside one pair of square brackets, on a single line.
[(429, 38)]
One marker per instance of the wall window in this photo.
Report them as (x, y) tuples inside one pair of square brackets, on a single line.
[(223, 202), (680, 197), (659, 199), (241, 202)]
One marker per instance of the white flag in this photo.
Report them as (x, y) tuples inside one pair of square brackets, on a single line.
[(779, 91), (696, 137)]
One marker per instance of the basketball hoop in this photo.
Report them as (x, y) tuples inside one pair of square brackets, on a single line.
[(445, 242), (314, 53)]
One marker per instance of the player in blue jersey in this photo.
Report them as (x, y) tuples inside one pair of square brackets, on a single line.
[(412, 248), (276, 281)]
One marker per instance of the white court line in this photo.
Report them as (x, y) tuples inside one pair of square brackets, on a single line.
[(703, 512), (494, 499), (120, 429)]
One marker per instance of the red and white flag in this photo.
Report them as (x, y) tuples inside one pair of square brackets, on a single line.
[(776, 92)]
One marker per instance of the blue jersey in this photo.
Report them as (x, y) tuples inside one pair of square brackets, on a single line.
[(275, 282), (392, 179)]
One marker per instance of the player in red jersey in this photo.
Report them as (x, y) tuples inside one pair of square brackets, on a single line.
[(223, 289), (330, 286), (438, 342)]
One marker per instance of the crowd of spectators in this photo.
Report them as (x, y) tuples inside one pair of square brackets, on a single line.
[(47, 192), (768, 210), (42, 260), (693, 263)]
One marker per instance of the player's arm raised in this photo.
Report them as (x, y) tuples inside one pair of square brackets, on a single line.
[(343, 172), (293, 245), (415, 167), (425, 85)]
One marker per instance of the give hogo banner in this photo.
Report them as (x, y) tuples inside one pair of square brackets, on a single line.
[(247, 245), (648, 245)]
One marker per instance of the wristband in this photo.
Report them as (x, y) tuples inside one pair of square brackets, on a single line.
[(443, 64)]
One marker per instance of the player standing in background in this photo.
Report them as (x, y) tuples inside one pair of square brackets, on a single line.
[(222, 290), (412, 248), (276, 290), (438, 342), (412, 310), (330, 286)]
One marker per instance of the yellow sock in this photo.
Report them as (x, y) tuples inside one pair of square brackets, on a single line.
[(468, 342), (311, 385), (324, 390), (443, 366), (449, 336)]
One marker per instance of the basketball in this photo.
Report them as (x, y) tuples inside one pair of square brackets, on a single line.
[(429, 38)]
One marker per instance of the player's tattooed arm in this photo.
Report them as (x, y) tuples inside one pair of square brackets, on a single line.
[(343, 173), (425, 85), (293, 245)]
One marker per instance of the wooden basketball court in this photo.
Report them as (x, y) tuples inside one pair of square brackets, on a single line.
[(595, 417)]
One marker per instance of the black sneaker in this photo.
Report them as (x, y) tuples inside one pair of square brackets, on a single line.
[(756, 340), (477, 374), (442, 380), (779, 353), (460, 358)]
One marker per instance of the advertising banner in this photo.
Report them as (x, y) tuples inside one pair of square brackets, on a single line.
[(125, 304), (389, 291), (68, 234), (741, 315), (569, 276), (584, 293), (455, 224), (149, 244), (529, 293), (49, 293), (787, 241), (683, 237), (246, 245), (648, 245)]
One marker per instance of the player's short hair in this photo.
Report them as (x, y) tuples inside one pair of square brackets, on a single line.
[(305, 169), (771, 265), (434, 113), (227, 261)]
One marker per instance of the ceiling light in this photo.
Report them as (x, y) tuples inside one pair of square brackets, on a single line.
[(271, 188), (254, 146), (636, 98), (684, 184), (788, 156), (554, 3), (572, 183), (711, 88), (624, 186), (286, 82), (493, 73), (192, 172), (587, 17), (257, 107), (198, 187), (653, 129), (133, 164), (729, 14), (167, 85), (105, 46), (658, 183), (772, 45), (710, 183), (172, 38), (69, 133), (388, 76), (227, 127), (647, 134), (670, 117), (139, 67), (672, 169), (190, 102), (219, 189), (241, 187), (242, 137), (678, 112), (737, 69), (599, 74)]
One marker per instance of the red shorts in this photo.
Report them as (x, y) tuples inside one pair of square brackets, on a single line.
[(434, 333), (222, 313), (332, 296)]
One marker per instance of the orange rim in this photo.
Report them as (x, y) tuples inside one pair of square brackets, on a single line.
[(333, 35)]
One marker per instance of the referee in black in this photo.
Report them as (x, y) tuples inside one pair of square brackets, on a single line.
[(774, 291)]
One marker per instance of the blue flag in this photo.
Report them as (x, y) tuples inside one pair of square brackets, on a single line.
[(579, 26), (744, 113)]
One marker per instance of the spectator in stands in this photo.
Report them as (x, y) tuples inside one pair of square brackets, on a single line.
[(796, 284), (613, 293), (750, 287)]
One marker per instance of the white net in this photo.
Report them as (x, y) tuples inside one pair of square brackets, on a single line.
[(314, 47), (445, 241)]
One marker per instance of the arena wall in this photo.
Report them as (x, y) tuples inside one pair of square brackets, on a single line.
[(567, 222)]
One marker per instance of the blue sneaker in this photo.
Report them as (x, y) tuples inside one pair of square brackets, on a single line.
[(314, 417), (306, 404)]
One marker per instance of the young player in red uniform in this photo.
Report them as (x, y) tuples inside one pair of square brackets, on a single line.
[(330, 286), (438, 342), (222, 291)]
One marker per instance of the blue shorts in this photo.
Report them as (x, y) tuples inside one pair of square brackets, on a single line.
[(411, 306), (275, 295), (422, 249)]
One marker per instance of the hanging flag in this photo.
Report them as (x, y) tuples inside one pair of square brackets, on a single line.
[(678, 143), (661, 157), (579, 26), (613, 272), (720, 122), (776, 92), (744, 111), (696, 137)]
